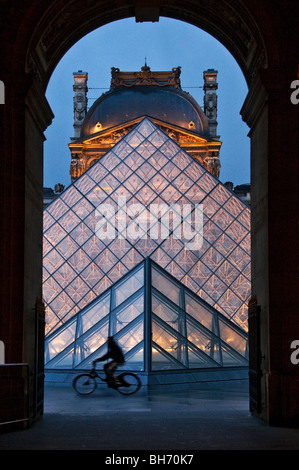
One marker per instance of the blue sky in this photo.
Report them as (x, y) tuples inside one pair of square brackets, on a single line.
[(169, 43)]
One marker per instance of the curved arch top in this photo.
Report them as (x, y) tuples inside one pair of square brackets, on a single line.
[(62, 25)]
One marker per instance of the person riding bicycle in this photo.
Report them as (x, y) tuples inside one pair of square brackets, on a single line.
[(115, 353)]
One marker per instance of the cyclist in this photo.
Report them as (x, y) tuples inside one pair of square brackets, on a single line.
[(115, 353)]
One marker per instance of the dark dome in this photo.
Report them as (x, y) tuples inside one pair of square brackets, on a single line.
[(123, 104)]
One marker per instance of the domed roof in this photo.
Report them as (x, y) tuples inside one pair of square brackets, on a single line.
[(147, 95)]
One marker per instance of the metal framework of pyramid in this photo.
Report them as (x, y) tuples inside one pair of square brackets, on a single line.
[(158, 322), (146, 167)]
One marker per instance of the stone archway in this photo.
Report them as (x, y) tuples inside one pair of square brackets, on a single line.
[(230, 22), (263, 39)]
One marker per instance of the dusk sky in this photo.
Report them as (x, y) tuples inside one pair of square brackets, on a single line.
[(169, 43)]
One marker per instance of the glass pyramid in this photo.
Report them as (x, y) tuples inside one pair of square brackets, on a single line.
[(102, 226), (158, 322)]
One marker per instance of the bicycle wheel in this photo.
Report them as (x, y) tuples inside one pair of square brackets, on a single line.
[(130, 383), (84, 384)]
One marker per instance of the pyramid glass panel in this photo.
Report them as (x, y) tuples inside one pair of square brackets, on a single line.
[(170, 342), (114, 216), (94, 314), (163, 361), (155, 332), (166, 286), (61, 341), (203, 342)]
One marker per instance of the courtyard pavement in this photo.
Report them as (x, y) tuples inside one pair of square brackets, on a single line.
[(173, 420)]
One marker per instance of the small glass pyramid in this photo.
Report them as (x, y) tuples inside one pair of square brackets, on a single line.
[(102, 226), (158, 322)]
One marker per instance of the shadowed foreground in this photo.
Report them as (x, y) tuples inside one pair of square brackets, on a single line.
[(150, 420)]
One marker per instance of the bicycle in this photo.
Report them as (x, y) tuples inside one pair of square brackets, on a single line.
[(86, 383)]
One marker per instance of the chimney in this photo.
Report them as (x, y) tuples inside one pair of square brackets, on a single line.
[(210, 100), (80, 100)]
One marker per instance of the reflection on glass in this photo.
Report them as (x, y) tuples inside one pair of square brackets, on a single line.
[(61, 341), (131, 338), (232, 338), (95, 313), (169, 342), (162, 361), (166, 286), (166, 313), (127, 314), (86, 345), (204, 316)]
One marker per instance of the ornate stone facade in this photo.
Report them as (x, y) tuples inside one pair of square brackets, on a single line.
[(201, 143), (145, 77)]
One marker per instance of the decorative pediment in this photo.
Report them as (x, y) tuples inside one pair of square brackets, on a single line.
[(109, 138), (182, 137), (114, 135), (146, 77), (87, 151)]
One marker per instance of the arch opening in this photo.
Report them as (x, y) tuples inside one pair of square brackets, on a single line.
[(243, 69), (44, 37), (211, 51)]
